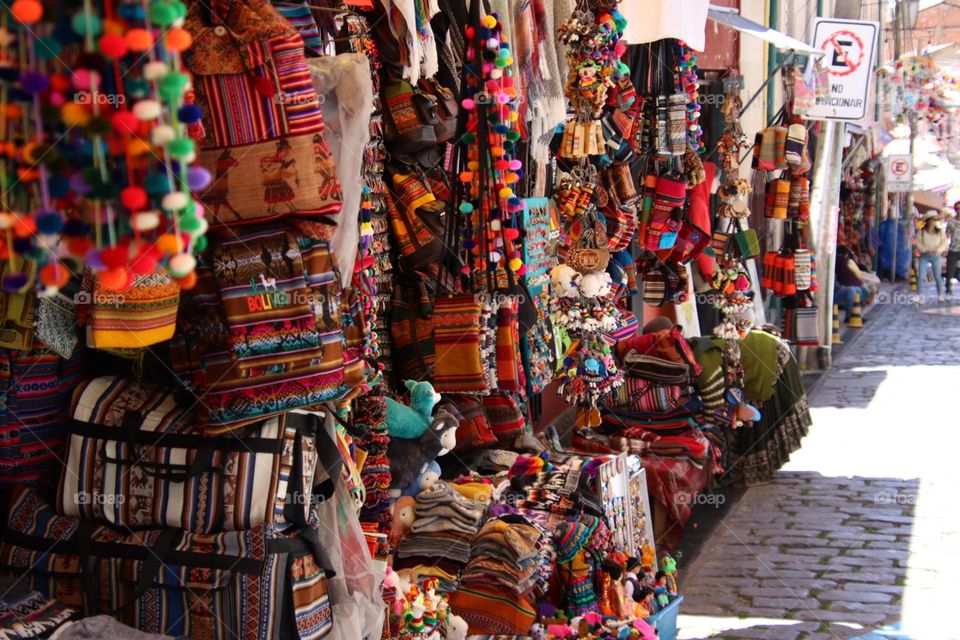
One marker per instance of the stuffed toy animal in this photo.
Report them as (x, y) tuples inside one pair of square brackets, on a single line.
[(595, 285), (429, 473), (566, 281), (456, 628), (407, 457), (413, 421), (403, 517)]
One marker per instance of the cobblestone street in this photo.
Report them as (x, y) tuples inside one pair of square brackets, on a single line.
[(859, 536)]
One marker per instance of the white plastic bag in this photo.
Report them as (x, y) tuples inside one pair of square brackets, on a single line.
[(358, 610)]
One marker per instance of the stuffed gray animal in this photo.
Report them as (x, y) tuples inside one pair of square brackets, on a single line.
[(408, 457)]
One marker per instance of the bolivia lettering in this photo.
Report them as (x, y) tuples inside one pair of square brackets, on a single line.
[(269, 299)]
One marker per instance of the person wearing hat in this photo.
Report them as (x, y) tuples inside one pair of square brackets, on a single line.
[(932, 244), (953, 237)]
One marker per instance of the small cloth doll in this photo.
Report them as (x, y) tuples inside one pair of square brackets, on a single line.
[(660, 590), (611, 599)]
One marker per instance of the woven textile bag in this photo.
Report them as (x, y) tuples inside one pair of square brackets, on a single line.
[(262, 122), (135, 458), (806, 326), (459, 366), (802, 269), (411, 330), (504, 416), (646, 396), (35, 388), (510, 374), (263, 333), (137, 317), (241, 585)]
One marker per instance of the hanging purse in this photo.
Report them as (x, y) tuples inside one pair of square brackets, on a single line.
[(264, 127), (670, 195), (459, 366), (806, 325), (777, 199), (802, 269), (747, 242)]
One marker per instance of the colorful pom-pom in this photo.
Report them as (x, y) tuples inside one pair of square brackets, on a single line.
[(139, 40), (189, 113), (181, 264), (198, 178), (113, 46), (48, 222), (114, 279), (27, 11), (55, 274)]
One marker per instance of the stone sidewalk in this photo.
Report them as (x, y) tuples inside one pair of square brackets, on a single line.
[(861, 530)]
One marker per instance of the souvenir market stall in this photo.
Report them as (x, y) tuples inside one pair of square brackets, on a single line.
[(285, 287)]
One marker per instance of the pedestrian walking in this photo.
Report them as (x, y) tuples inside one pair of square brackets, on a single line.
[(953, 252), (932, 244)]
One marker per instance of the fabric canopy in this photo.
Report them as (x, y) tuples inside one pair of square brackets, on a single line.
[(781, 41), (652, 20)]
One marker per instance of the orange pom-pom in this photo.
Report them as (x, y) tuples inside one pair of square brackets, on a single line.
[(24, 226), (26, 174), (178, 40), (138, 147), (170, 244), (139, 39), (27, 11), (55, 274), (74, 115), (13, 111), (188, 281), (113, 27), (115, 279)]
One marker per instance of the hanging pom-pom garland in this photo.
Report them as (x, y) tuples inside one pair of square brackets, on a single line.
[(121, 112), (493, 169)]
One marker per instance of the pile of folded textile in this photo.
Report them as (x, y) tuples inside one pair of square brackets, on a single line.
[(439, 541), (657, 412), (501, 583)]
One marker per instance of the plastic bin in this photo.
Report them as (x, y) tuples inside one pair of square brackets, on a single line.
[(665, 620)]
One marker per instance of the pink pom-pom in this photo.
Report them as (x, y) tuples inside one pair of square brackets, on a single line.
[(469, 104)]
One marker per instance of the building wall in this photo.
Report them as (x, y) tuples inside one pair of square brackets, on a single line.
[(938, 24)]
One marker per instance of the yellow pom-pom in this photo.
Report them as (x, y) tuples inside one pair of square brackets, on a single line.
[(516, 264), (489, 22), (506, 192)]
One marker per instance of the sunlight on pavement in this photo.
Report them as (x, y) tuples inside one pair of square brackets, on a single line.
[(903, 432), (693, 627)]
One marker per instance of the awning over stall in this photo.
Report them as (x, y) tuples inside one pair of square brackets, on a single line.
[(728, 16)]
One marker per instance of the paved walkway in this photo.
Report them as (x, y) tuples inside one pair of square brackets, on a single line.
[(861, 531)]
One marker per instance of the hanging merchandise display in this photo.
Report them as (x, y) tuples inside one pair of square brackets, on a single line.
[(733, 244), (99, 173), (789, 271), (584, 307), (294, 293)]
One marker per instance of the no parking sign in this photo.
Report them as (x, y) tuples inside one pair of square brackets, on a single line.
[(899, 173), (848, 47)]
